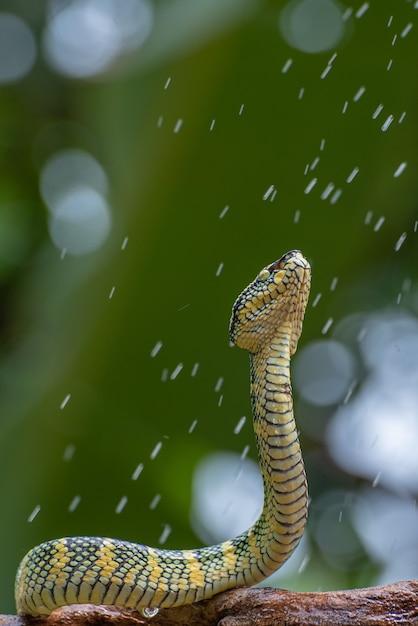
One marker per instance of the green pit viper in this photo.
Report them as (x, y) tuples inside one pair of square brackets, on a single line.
[(267, 321)]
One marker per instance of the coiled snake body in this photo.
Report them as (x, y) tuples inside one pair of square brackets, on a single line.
[(266, 320)]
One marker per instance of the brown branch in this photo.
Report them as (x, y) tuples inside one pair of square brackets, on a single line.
[(374, 606)]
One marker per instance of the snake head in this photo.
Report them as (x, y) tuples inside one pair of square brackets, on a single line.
[(273, 305)]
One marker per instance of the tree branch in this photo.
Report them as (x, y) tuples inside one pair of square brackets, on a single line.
[(374, 606)]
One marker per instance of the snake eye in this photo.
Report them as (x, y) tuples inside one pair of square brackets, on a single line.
[(264, 274)]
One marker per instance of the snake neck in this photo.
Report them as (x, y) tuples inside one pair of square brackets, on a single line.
[(284, 514)]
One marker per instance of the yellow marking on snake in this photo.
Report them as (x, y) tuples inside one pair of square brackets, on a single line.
[(267, 321)]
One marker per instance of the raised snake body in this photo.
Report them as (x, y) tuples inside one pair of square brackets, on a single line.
[(266, 320)]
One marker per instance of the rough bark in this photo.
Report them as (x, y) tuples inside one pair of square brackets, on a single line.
[(395, 604)]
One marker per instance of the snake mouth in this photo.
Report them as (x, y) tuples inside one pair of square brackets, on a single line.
[(294, 256)]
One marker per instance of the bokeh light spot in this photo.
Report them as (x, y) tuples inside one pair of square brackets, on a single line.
[(17, 48), (376, 434), (227, 496), (87, 36), (81, 221), (323, 372), (74, 187), (312, 25), (67, 168)]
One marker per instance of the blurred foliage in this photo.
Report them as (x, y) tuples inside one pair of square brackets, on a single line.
[(62, 334)]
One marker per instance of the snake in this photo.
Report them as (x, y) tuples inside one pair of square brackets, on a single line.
[(267, 321)]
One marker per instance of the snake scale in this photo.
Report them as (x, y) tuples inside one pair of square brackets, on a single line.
[(267, 321)]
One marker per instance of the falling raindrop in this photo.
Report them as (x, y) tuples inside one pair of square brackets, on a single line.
[(239, 425), (137, 471), (156, 348), (34, 513), (156, 450), (121, 504)]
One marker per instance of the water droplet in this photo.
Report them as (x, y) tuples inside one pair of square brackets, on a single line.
[(388, 121), (311, 185), (378, 224), (156, 348), (137, 471), (328, 189), (304, 563), (224, 212), (358, 94), (212, 125), (326, 71), (316, 299), (112, 291), (377, 112), (353, 174), (297, 216), (160, 121), (345, 106), (239, 425), (165, 534), (220, 268), (349, 392), (74, 503), (368, 217), (268, 192), (149, 611), (219, 384), (245, 452), (65, 401), (400, 242), (334, 283), (34, 513), (156, 450), (124, 243), (194, 369), (400, 169), (287, 66), (327, 325), (362, 10), (241, 110), (155, 501), (337, 193), (192, 426), (376, 480), (314, 163), (68, 452), (301, 92), (406, 30), (176, 371), (121, 504), (167, 82), (178, 126)]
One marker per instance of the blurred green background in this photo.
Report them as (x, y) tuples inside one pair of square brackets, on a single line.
[(207, 106)]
